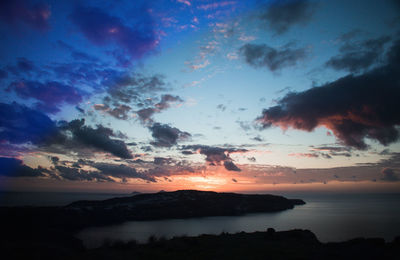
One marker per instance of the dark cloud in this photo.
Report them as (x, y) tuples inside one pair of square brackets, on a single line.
[(167, 100), (102, 29), (187, 152), (119, 112), (76, 54), (166, 136), (349, 35), (217, 155), (25, 65), (258, 139), (328, 151), (31, 13), (331, 148), (221, 107), (121, 171), (136, 90), (103, 172), (54, 159), (262, 55), (161, 160), (11, 167), (51, 95), (3, 74), (230, 166), (385, 152), (145, 115), (76, 174), (251, 159), (352, 107), (355, 57), (20, 124), (389, 174), (283, 14), (98, 138), (306, 155), (340, 154), (246, 126), (127, 88)]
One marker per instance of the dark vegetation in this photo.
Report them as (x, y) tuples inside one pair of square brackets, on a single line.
[(293, 244)]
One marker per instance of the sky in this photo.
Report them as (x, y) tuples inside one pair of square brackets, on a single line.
[(243, 96)]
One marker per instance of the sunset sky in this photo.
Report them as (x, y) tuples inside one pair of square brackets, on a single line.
[(244, 96)]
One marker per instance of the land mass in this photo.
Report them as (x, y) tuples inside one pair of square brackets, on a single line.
[(292, 244), (152, 206)]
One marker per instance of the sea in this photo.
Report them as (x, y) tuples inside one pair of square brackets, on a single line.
[(331, 217)]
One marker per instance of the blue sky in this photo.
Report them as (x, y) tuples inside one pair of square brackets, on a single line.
[(224, 95)]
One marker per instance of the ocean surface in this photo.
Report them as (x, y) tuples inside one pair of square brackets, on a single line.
[(332, 217), (13, 199)]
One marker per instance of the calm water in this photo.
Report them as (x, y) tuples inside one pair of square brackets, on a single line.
[(330, 217), (12, 199)]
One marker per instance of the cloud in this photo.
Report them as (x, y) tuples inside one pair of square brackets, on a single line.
[(127, 88), (167, 100), (11, 167), (20, 124), (119, 112), (102, 29), (230, 166), (355, 57), (389, 174), (166, 136), (352, 107), (258, 139), (216, 155), (251, 159), (262, 55), (3, 74), (146, 114), (103, 172), (51, 95), (328, 151), (98, 138), (33, 14), (126, 91), (25, 65), (76, 54), (99, 172), (281, 15), (331, 148), (216, 5), (221, 107), (186, 2), (121, 171), (76, 174), (307, 155)]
